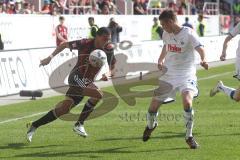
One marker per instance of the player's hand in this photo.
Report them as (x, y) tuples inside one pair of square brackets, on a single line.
[(104, 77), (223, 57), (45, 61), (160, 65), (111, 73), (204, 64)]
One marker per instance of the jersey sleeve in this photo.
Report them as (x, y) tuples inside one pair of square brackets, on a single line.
[(164, 37), (194, 39), (235, 31)]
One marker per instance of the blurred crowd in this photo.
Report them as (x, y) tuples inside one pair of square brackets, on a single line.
[(140, 7), (179, 6), (56, 7), (16, 7), (155, 6)]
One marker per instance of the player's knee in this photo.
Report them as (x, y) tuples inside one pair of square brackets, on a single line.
[(163, 89), (187, 104), (99, 95), (93, 102), (155, 104), (237, 99), (187, 99), (63, 107), (236, 96)]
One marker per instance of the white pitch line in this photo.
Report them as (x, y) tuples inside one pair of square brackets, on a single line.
[(40, 113), (29, 116), (216, 75)]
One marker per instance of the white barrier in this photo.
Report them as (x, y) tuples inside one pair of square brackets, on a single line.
[(20, 69), (35, 31)]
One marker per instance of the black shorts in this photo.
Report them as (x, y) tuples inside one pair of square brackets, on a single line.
[(76, 85)]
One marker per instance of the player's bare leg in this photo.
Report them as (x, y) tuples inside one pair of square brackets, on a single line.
[(187, 97), (96, 96), (236, 95), (159, 95), (61, 108), (237, 67)]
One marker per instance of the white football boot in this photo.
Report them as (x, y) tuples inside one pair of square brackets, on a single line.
[(30, 132), (79, 129), (215, 90)]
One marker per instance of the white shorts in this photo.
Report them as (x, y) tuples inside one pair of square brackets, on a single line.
[(178, 83)]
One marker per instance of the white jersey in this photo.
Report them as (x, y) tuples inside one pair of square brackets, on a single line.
[(180, 58), (233, 33)]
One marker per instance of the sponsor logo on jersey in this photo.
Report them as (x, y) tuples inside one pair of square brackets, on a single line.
[(174, 48)]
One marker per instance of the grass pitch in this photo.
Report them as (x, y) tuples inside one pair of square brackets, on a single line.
[(117, 134)]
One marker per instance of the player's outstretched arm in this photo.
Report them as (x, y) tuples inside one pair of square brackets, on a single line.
[(109, 74), (109, 49), (201, 52), (59, 49), (162, 57), (224, 49)]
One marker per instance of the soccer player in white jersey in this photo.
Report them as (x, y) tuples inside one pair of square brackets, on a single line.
[(178, 57), (231, 92)]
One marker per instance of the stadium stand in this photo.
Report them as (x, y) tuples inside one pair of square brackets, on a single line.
[(55, 7)]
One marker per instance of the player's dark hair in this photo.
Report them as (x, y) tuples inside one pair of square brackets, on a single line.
[(200, 17), (168, 14), (103, 31), (186, 19), (61, 18), (90, 18)]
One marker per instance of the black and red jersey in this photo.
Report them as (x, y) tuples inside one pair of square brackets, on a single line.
[(85, 47)]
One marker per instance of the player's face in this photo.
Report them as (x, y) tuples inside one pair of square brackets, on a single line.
[(91, 22), (61, 21), (167, 25), (103, 40)]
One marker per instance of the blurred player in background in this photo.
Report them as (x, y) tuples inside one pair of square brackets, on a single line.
[(187, 24), (220, 87), (93, 28), (80, 81), (61, 32), (232, 34), (179, 58), (157, 30), (1, 43), (115, 30), (201, 27)]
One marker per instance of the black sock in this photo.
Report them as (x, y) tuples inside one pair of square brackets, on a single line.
[(49, 117), (87, 109)]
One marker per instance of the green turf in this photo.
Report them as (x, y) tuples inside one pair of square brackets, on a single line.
[(117, 134)]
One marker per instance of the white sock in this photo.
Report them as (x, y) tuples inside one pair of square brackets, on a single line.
[(151, 120), (188, 116), (227, 90)]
